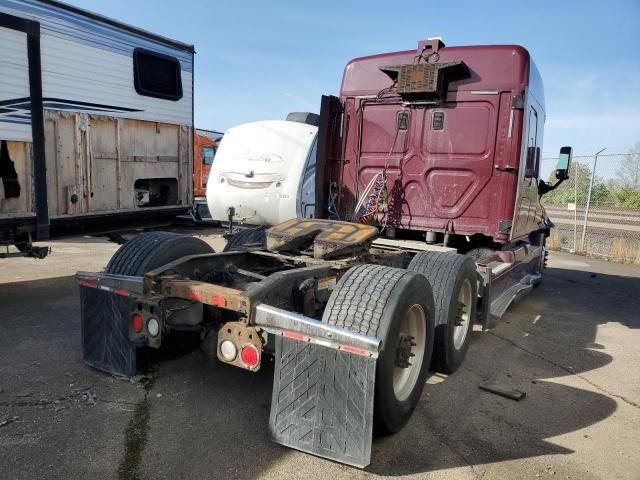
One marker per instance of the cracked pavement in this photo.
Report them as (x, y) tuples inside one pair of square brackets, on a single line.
[(573, 346)]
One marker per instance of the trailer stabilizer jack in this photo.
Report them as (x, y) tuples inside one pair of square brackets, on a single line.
[(323, 401)]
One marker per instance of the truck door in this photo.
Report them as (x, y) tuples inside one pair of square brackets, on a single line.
[(527, 204)]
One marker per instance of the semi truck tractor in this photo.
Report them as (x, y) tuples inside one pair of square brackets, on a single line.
[(428, 221), (205, 146)]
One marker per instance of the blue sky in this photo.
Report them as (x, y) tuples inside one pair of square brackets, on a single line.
[(258, 60)]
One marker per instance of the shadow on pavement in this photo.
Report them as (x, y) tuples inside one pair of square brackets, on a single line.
[(208, 420)]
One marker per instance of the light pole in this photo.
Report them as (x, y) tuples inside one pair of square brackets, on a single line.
[(586, 212)]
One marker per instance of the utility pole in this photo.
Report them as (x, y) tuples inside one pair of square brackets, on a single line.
[(575, 207), (586, 213)]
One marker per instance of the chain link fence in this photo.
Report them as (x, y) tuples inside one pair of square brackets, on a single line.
[(596, 211)]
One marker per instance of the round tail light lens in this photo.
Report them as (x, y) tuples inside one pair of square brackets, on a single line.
[(137, 323), (250, 355), (153, 327), (228, 351)]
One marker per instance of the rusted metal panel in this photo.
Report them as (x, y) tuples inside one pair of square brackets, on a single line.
[(206, 293), (241, 335)]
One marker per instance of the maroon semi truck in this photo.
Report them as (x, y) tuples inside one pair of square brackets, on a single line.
[(427, 179)]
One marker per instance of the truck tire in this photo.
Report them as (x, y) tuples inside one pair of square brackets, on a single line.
[(151, 250), (254, 237), (454, 284), (393, 305)]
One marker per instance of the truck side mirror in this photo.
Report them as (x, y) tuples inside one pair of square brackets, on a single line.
[(564, 163)]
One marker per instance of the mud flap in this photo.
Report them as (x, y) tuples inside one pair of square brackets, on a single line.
[(105, 332), (322, 401)]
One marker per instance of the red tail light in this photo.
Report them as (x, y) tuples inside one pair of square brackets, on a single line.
[(137, 323), (250, 355)]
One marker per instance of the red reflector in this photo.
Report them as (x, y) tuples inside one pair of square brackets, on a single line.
[(294, 335), (357, 351), (137, 323), (197, 296), (89, 284), (249, 355), (218, 300), (121, 291)]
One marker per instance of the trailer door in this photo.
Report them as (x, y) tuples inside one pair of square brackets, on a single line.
[(21, 114)]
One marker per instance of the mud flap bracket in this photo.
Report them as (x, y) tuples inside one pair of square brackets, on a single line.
[(322, 401)]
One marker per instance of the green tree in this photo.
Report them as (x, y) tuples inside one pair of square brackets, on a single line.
[(573, 190), (627, 197), (628, 173)]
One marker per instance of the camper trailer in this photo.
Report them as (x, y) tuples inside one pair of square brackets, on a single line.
[(264, 171), (96, 123)]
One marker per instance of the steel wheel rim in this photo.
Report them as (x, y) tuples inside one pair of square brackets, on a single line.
[(414, 324), (463, 317)]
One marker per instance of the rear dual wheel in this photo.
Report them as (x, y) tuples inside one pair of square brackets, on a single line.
[(454, 285), (395, 306)]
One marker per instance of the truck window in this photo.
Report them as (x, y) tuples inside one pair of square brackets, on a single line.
[(208, 153), (157, 75), (533, 152)]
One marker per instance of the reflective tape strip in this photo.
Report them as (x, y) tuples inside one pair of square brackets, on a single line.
[(322, 342), (118, 291), (357, 351), (294, 335), (218, 300)]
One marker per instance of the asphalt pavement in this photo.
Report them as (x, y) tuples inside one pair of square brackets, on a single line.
[(572, 345)]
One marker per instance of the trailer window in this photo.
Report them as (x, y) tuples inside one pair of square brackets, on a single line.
[(208, 154), (157, 75)]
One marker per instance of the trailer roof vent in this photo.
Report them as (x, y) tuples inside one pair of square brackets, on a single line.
[(425, 80)]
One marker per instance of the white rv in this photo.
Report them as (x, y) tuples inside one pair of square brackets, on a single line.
[(96, 123), (264, 173)]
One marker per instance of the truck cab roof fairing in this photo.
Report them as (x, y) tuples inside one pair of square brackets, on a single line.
[(505, 68)]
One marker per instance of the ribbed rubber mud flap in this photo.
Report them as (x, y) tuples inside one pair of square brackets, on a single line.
[(105, 332), (323, 401)]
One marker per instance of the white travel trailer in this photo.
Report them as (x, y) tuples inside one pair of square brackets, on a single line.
[(264, 173), (96, 123)]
